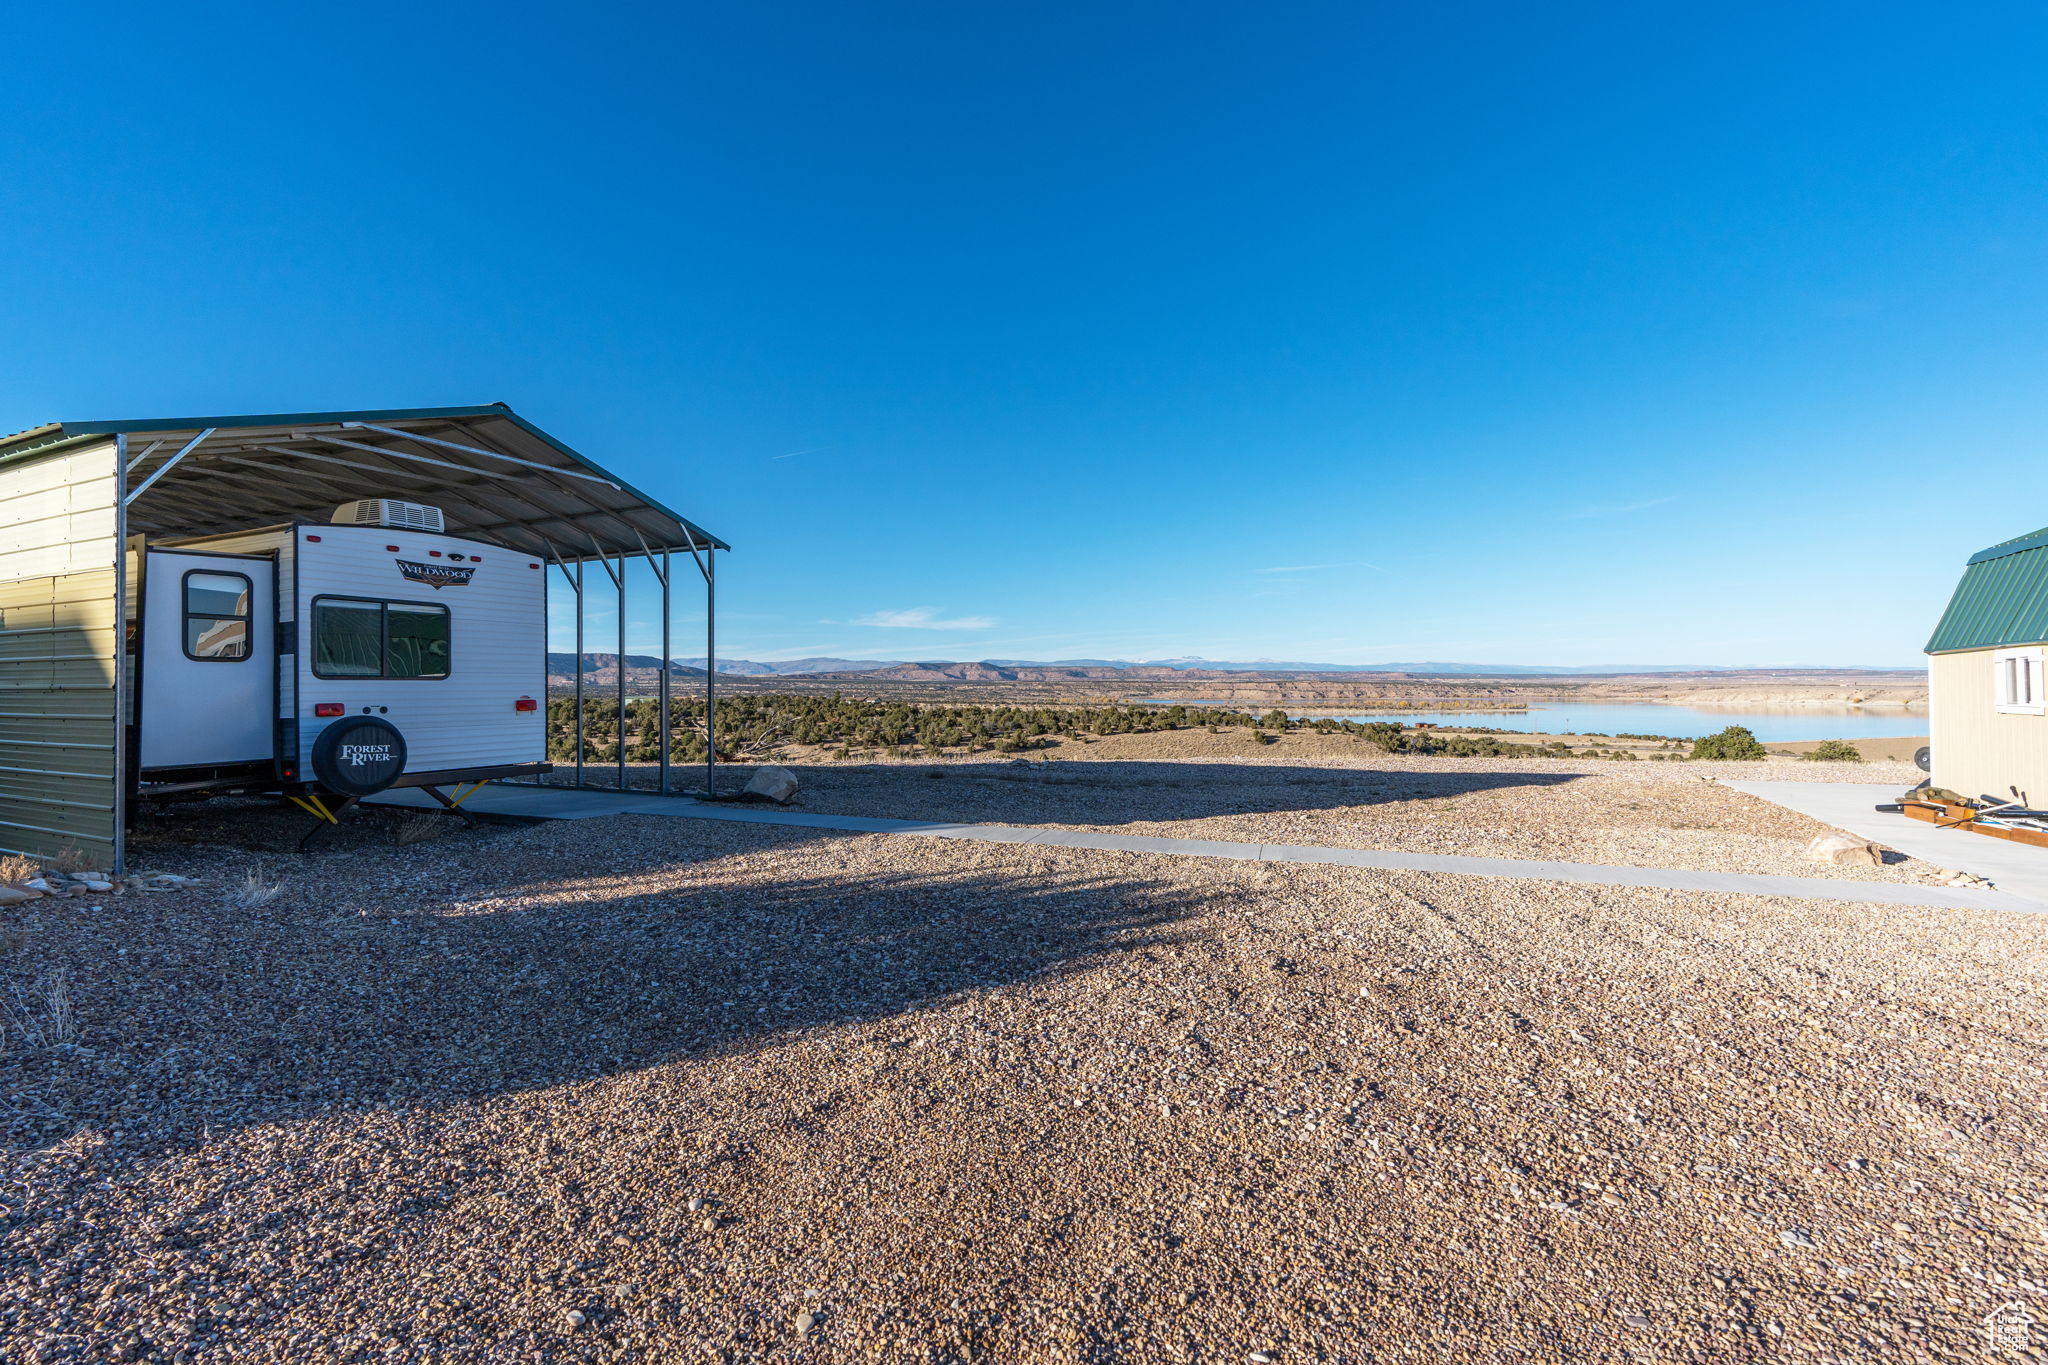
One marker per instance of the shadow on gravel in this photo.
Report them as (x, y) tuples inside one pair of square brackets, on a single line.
[(1116, 792), (444, 976)]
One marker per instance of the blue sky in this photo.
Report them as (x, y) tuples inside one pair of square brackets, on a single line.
[(1355, 332)]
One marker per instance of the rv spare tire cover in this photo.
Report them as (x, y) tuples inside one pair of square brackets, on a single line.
[(359, 756)]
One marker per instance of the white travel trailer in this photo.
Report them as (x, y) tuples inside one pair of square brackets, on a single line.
[(321, 605), (424, 652)]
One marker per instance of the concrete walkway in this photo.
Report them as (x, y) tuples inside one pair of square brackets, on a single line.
[(561, 804), (2018, 868)]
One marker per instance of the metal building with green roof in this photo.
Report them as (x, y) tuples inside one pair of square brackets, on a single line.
[(86, 506), (1987, 714)]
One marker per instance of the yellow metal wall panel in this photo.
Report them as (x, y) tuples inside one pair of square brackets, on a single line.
[(57, 513), (1978, 749), (60, 642)]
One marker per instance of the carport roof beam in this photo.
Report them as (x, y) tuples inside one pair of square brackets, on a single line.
[(540, 490), (473, 450), (167, 465), (391, 454)]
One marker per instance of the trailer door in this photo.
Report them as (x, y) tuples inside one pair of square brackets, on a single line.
[(208, 677)]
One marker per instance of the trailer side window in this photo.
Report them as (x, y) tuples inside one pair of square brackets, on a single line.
[(348, 639), (415, 641), (216, 616), (353, 638)]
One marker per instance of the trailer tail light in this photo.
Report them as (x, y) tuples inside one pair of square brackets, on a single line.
[(328, 708), (526, 704), (392, 548), (314, 539)]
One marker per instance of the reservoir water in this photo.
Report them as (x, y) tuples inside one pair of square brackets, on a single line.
[(1658, 718)]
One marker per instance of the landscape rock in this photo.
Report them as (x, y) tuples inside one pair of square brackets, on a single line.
[(15, 895), (773, 784), (1845, 850)]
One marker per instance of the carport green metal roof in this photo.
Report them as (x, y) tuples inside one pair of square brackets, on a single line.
[(2002, 600), (491, 471)]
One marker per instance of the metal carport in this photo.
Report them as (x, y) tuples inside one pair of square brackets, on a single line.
[(78, 499)]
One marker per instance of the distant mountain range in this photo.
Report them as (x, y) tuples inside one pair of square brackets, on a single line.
[(993, 669), (1297, 666), (747, 668)]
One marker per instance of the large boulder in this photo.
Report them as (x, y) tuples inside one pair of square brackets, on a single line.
[(773, 784), (1845, 850)]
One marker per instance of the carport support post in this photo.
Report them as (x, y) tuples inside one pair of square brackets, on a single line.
[(710, 672), (579, 672), (121, 665), (664, 669), (620, 579)]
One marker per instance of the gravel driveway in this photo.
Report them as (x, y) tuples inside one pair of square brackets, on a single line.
[(637, 1089)]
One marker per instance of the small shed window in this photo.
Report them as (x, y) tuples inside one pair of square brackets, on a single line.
[(2016, 676), (216, 616), (357, 638)]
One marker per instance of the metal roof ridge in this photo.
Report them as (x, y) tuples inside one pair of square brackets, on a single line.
[(2017, 545), (278, 419)]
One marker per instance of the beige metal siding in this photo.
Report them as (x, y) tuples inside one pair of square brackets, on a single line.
[(60, 639), (1979, 750)]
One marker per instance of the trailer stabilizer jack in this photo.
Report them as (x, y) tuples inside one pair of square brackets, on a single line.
[(454, 807), (328, 819)]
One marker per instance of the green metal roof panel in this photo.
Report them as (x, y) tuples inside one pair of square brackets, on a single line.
[(2002, 600)]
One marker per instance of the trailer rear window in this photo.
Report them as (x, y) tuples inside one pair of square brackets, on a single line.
[(359, 638), (216, 616)]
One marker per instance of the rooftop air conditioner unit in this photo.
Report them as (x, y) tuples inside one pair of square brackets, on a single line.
[(403, 516)]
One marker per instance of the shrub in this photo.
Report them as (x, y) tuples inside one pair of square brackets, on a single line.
[(1384, 733), (1735, 742), (1834, 751)]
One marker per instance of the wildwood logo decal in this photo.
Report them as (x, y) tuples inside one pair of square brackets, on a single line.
[(435, 576)]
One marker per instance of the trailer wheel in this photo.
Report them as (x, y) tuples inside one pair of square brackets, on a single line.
[(359, 756), (1923, 759)]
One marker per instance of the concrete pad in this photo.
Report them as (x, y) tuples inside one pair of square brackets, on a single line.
[(562, 803), (1590, 874), (2017, 868)]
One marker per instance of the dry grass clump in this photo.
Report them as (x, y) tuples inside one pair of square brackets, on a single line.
[(72, 859), (421, 826), (15, 868), (254, 891), (41, 1016)]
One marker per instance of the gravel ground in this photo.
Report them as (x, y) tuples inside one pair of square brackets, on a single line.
[(641, 1089)]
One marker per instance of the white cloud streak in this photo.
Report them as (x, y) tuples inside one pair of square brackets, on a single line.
[(921, 618), (1618, 509), (1312, 568)]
